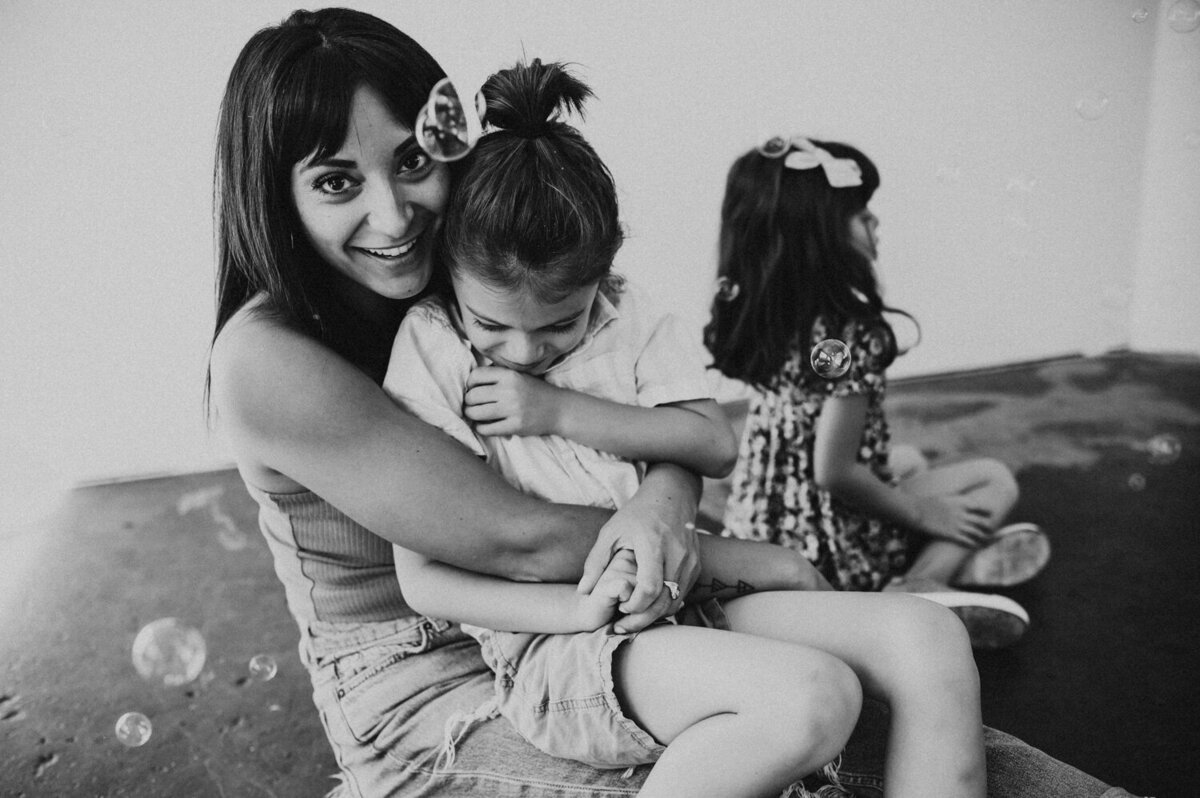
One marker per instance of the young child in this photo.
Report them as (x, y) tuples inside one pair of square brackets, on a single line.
[(549, 366), (797, 252)]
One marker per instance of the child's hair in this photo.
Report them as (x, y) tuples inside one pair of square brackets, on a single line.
[(533, 207), (785, 245)]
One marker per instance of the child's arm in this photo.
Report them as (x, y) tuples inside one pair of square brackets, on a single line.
[(836, 469), (730, 567), (443, 591), (693, 434)]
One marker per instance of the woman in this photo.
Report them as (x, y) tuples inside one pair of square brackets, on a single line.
[(327, 213)]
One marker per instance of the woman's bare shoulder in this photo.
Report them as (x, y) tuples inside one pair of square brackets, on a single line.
[(267, 388)]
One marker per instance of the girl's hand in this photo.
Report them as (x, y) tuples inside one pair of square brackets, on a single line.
[(954, 518), (505, 402), (615, 586)]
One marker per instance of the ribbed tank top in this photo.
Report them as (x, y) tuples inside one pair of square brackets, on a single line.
[(332, 568)]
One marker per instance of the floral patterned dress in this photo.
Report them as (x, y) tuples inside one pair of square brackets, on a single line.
[(774, 497)]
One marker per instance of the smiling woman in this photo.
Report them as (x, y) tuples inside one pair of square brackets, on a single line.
[(372, 209)]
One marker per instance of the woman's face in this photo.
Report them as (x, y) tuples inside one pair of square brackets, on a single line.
[(372, 209), (864, 234)]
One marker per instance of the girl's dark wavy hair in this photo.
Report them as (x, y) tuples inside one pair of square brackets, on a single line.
[(533, 207), (785, 243), (289, 95)]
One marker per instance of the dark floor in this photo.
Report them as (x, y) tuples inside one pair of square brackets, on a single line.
[(1105, 678)]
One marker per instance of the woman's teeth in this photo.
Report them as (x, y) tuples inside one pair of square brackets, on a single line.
[(391, 252)]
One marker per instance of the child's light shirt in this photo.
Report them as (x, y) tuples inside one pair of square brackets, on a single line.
[(628, 355)]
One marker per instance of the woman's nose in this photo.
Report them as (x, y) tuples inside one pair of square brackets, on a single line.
[(388, 210)]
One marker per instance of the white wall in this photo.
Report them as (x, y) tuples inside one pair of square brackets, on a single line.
[(1010, 223)]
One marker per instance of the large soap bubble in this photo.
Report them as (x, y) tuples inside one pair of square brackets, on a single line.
[(169, 651), (446, 129), (1184, 16)]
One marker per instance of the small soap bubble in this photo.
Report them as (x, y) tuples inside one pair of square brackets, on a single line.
[(1141, 15), (133, 729), (830, 359), (949, 174), (1137, 482), (726, 290), (1021, 184), (169, 651), (1184, 16), (1191, 139), (1091, 105), (263, 667), (1164, 449)]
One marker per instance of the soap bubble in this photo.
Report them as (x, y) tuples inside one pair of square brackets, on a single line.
[(1184, 16), (830, 359), (263, 667), (726, 290), (133, 729), (448, 130), (168, 651), (1164, 449), (1091, 105), (1137, 482), (949, 174), (1141, 15)]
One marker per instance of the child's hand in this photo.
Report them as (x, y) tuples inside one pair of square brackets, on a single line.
[(615, 586), (505, 402), (954, 518)]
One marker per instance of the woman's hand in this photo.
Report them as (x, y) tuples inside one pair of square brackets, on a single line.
[(505, 402), (655, 525), (957, 519)]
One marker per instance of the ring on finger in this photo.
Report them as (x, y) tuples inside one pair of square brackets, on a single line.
[(672, 588)]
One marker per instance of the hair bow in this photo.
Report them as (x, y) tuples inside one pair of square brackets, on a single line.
[(800, 153)]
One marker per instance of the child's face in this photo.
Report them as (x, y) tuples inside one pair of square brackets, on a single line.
[(864, 235), (516, 331)]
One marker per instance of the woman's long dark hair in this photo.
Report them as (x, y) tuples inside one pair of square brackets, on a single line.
[(533, 206), (289, 95), (785, 244)]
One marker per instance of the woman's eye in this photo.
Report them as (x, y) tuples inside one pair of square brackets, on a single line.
[(414, 163), (333, 184), (490, 327), (560, 329)]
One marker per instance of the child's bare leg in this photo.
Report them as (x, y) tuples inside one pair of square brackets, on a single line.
[(740, 715), (907, 651), (992, 487)]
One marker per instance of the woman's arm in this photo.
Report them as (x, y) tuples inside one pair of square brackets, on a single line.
[(836, 468), (694, 434)]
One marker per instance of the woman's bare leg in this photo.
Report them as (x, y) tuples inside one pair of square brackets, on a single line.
[(740, 715), (907, 651)]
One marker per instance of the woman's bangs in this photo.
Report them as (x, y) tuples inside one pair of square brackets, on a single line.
[(315, 110)]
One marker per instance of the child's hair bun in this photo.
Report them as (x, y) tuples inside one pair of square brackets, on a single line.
[(527, 99)]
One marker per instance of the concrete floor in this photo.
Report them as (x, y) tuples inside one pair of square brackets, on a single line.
[(1104, 680)]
